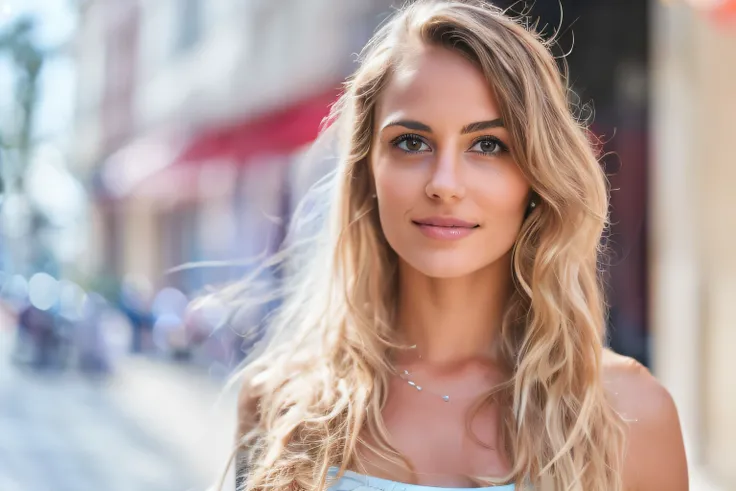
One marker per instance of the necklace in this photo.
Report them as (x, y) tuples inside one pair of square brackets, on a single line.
[(408, 378)]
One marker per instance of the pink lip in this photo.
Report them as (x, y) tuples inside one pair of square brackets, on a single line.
[(445, 228)]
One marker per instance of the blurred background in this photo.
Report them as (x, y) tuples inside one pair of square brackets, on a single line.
[(141, 135)]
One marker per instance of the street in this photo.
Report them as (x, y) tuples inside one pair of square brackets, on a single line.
[(64, 432)]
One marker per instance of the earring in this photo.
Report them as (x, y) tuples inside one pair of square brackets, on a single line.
[(533, 205), (373, 195)]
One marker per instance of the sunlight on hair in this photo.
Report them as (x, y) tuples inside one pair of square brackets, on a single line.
[(334, 326)]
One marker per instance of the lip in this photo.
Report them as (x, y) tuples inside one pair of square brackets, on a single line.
[(445, 228), (444, 222)]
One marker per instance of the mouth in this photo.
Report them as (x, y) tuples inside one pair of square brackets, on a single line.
[(445, 222), (445, 228)]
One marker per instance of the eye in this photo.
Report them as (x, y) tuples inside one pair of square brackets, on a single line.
[(488, 146), (411, 144)]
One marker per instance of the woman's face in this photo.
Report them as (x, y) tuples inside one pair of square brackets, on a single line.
[(451, 199)]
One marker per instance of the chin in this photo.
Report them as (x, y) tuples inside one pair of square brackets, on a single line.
[(443, 266)]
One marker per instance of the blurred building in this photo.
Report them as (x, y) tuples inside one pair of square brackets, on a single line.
[(190, 112), (693, 225)]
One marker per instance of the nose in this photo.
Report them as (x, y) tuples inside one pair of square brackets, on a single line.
[(445, 183)]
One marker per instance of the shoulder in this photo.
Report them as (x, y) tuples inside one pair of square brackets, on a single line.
[(633, 390), (655, 454)]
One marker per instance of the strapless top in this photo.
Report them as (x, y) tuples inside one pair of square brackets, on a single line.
[(352, 481)]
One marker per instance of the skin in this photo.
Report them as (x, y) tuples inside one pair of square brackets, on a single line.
[(452, 291)]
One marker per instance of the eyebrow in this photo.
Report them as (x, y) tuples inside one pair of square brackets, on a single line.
[(470, 128), (482, 125)]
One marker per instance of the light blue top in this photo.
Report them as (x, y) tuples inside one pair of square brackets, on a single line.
[(352, 481)]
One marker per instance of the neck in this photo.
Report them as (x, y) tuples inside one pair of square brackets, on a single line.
[(452, 320)]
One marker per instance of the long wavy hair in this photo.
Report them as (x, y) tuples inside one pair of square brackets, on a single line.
[(316, 389)]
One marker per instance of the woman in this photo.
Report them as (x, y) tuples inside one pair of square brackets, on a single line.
[(448, 330)]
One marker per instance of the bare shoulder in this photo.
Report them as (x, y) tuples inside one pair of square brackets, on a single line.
[(655, 454), (632, 388)]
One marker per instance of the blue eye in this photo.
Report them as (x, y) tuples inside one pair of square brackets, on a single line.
[(488, 146), (411, 144)]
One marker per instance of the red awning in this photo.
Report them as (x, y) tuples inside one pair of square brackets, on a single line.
[(279, 132)]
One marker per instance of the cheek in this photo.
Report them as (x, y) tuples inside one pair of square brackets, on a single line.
[(391, 187), (398, 190), (396, 185), (504, 197), (391, 176)]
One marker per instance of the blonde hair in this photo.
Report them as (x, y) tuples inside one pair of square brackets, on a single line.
[(322, 377)]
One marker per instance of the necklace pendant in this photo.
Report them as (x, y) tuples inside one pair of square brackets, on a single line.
[(406, 376), (418, 387)]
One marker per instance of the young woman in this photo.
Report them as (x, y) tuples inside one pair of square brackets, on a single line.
[(447, 330)]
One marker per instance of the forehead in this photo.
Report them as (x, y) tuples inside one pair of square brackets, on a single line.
[(437, 86)]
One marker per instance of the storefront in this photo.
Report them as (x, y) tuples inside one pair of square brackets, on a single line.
[(222, 194)]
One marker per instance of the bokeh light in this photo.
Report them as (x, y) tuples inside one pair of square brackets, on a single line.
[(170, 301), (71, 300), (43, 291)]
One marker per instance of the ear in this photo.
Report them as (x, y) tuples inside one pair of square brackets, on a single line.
[(532, 204)]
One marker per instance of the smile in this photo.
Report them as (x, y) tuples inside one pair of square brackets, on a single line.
[(444, 228)]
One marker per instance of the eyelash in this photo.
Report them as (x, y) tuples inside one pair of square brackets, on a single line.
[(502, 148)]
